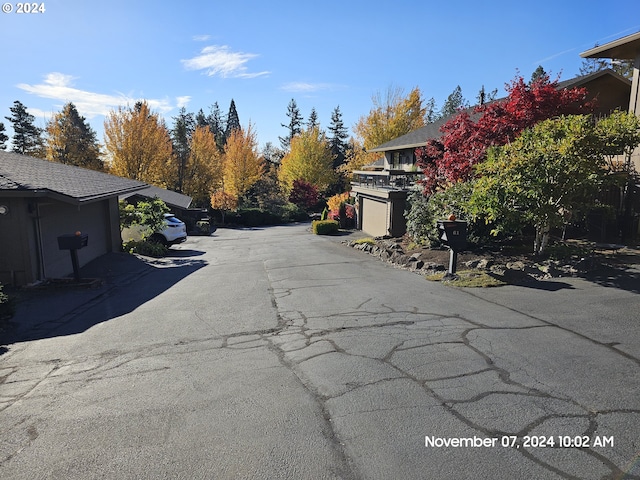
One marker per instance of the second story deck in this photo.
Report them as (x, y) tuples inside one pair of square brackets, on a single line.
[(386, 179)]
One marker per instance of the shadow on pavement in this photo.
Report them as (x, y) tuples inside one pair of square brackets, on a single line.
[(127, 283), (521, 279), (624, 278)]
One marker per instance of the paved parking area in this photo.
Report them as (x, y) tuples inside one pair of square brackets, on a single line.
[(273, 353)]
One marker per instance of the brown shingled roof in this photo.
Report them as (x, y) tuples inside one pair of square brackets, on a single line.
[(23, 175)]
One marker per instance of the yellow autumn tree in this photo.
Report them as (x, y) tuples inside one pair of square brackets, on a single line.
[(223, 201), (203, 170), (309, 159), (356, 157), (138, 145), (393, 115), (243, 165)]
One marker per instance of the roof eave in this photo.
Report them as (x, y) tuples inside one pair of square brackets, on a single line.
[(46, 193), (398, 147), (625, 48)]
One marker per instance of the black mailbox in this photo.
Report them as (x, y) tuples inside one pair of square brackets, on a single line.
[(453, 234), (71, 241)]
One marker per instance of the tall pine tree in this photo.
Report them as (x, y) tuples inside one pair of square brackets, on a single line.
[(181, 133), (70, 140), (233, 121), (27, 138), (216, 126), (294, 127), (313, 120), (337, 137), (454, 103), (201, 119)]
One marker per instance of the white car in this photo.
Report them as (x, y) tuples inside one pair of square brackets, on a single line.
[(174, 232)]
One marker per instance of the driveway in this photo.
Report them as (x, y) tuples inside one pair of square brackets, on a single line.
[(273, 353)]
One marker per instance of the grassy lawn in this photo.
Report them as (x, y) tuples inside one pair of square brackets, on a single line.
[(468, 278)]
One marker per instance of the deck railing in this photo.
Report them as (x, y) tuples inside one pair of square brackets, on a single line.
[(389, 180)]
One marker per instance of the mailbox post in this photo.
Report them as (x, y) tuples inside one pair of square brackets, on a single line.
[(453, 234), (73, 242)]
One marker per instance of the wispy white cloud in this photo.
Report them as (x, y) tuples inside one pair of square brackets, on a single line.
[(58, 86), (305, 87), (219, 60), (201, 38), (183, 101)]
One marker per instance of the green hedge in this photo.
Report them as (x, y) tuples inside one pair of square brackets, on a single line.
[(255, 217), (324, 227), (146, 248)]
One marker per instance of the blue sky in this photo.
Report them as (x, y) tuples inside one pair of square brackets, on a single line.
[(262, 54)]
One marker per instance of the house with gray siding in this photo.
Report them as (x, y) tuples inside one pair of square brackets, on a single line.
[(40, 201), (381, 192)]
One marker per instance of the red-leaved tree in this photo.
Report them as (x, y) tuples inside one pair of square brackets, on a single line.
[(467, 136), (304, 194)]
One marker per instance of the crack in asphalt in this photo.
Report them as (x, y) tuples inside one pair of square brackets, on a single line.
[(609, 345), (414, 317), (293, 334)]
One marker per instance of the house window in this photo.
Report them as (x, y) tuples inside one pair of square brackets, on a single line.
[(395, 160)]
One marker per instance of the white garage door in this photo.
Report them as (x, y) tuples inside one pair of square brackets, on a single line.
[(374, 217)]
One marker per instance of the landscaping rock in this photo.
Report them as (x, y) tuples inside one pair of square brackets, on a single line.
[(479, 263), (517, 265), (438, 267), (484, 264), (513, 269)]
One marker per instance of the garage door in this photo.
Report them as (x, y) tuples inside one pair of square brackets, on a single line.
[(374, 217)]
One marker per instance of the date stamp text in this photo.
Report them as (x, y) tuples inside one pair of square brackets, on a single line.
[(527, 441)]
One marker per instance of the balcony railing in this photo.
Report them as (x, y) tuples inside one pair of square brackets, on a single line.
[(386, 179)]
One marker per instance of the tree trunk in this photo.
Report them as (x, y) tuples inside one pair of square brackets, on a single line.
[(542, 238)]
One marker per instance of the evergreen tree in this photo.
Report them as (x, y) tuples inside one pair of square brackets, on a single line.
[(294, 126), (538, 74), (27, 138), (484, 97), (233, 121), (337, 137), (3, 137), (70, 140), (181, 133), (271, 154), (313, 119), (431, 114), (216, 125), (201, 119), (454, 103)]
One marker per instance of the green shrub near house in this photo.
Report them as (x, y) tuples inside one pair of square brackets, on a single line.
[(324, 227), (145, 247)]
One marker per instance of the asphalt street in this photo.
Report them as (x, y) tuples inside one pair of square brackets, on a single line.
[(277, 354)]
